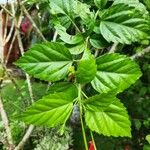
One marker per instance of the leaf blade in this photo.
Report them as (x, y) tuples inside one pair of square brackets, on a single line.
[(113, 121), (48, 61), (51, 110), (115, 72)]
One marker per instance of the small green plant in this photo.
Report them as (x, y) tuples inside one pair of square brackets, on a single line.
[(77, 62)]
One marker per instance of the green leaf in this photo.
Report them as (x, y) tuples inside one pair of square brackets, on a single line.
[(77, 49), (69, 39), (100, 3), (47, 61), (97, 41), (62, 87), (134, 3), (113, 121), (147, 3), (148, 138), (65, 7), (83, 11), (51, 110), (100, 102), (123, 24), (146, 147), (115, 71), (87, 68)]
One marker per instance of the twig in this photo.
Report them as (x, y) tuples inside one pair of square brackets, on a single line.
[(142, 53), (25, 138), (2, 110), (31, 127), (6, 125), (6, 22), (8, 12), (32, 21), (10, 33), (113, 48), (96, 53)]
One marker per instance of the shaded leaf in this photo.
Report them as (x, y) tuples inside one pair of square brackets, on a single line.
[(97, 41), (100, 3)]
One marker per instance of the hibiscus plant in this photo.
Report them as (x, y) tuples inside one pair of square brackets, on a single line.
[(83, 67)]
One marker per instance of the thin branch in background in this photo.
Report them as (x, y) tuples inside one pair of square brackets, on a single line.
[(10, 33), (25, 138), (7, 11), (5, 30), (31, 127), (3, 113), (96, 53), (32, 21), (6, 125), (142, 53), (113, 48), (10, 48)]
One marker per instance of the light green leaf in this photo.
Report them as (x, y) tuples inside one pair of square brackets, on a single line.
[(51, 110), (100, 3), (100, 102), (69, 39), (123, 24), (148, 138), (87, 68), (77, 49), (115, 71), (83, 11), (113, 121), (65, 7), (47, 61)]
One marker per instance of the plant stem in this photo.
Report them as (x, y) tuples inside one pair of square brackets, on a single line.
[(81, 112), (142, 53), (93, 140), (113, 48)]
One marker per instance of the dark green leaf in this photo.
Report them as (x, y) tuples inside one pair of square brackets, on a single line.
[(100, 3), (97, 41)]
